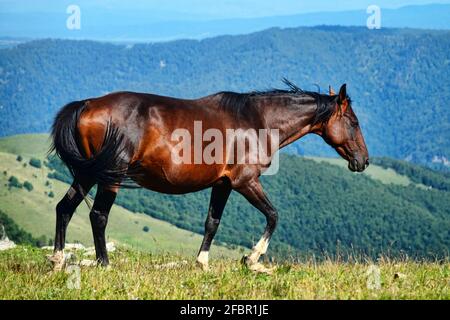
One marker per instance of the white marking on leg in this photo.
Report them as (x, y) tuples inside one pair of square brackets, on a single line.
[(202, 258), (262, 245), (259, 249)]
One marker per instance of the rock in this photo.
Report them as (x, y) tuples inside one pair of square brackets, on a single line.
[(90, 251), (69, 246), (88, 263), (5, 243), (171, 265), (2, 232), (110, 247), (74, 246)]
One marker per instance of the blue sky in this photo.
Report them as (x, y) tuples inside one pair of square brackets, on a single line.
[(204, 9)]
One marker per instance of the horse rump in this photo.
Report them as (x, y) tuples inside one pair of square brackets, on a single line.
[(108, 166)]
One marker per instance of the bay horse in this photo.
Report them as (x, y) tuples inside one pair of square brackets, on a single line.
[(125, 137)]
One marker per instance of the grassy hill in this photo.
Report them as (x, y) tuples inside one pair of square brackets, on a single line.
[(25, 274), (34, 210), (324, 209)]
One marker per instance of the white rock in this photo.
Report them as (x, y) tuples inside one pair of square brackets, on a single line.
[(74, 246), (88, 263), (68, 246), (110, 247), (171, 265), (6, 244), (88, 251)]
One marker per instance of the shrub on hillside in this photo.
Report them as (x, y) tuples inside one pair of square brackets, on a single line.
[(35, 163), (27, 185), (13, 182)]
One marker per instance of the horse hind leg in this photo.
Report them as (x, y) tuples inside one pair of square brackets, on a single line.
[(104, 199), (64, 212), (219, 197)]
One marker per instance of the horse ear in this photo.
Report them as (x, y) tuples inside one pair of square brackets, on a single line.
[(332, 93), (342, 100)]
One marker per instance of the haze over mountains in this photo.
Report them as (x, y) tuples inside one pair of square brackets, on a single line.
[(111, 24)]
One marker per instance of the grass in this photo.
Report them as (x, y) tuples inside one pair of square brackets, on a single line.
[(386, 176), (26, 274), (26, 144)]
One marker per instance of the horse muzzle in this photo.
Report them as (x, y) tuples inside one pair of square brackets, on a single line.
[(358, 166)]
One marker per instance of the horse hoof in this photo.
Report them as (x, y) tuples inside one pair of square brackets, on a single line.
[(260, 268), (58, 260), (203, 266), (256, 266)]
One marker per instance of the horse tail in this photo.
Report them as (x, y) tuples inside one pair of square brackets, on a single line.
[(108, 166)]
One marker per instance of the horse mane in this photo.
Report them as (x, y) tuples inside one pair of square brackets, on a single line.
[(238, 103)]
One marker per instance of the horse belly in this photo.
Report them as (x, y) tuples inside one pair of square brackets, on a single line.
[(167, 177)]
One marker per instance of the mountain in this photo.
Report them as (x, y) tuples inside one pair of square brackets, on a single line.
[(324, 209), (397, 79), (144, 25)]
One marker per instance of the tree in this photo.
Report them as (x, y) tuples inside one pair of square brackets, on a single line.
[(13, 182), (27, 185), (35, 163)]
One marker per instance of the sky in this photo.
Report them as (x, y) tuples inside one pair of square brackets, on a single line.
[(164, 20), (205, 9)]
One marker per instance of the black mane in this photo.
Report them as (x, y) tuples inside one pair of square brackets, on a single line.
[(238, 102)]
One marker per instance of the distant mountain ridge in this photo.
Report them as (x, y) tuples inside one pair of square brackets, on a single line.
[(119, 26)]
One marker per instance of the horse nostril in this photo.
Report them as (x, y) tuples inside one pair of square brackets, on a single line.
[(367, 162)]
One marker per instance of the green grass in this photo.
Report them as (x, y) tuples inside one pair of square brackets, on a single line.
[(34, 211), (379, 173), (26, 144), (26, 274)]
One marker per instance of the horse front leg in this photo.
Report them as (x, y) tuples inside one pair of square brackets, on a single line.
[(254, 193), (219, 197)]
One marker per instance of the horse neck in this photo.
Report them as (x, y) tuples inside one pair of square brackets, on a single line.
[(291, 115)]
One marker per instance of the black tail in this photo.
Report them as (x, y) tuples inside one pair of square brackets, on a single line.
[(109, 166)]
